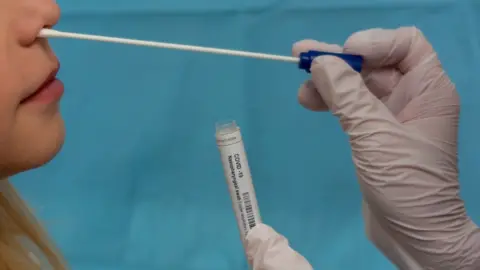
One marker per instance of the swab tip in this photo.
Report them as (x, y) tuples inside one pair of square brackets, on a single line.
[(45, 32)]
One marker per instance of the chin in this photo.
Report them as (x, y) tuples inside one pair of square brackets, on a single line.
[(37, 152), (46, 154)]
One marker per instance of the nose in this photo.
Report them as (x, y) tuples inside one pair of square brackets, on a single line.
[(36, 15), (50, 12)]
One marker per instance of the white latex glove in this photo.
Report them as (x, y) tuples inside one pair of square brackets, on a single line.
[(401, 116), (268, 250)]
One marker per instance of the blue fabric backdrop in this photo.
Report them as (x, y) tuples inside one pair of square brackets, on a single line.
[(139, 184)]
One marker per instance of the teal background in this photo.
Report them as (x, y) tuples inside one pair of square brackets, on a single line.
[(139, 184)]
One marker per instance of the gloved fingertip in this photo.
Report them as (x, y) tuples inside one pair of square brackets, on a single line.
[(403, 47), (309, 44), (336, 81), (328, 62), (379, 47), (260, 238), (300, 46), (260, 233), (310, 98), (268, 250)]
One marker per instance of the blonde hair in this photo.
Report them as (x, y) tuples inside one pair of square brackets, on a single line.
[(23, 242)]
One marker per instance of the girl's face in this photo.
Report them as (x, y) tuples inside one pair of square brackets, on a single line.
[(31, 127)]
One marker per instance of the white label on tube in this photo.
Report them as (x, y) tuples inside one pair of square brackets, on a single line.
[(239, 179)]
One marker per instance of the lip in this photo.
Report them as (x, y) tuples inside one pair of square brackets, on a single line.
[(49, 80)]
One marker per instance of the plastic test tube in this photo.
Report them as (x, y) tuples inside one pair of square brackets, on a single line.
[(237, 174)]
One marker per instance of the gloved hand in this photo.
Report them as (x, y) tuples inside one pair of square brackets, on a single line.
[(268, 250), (401, 115)]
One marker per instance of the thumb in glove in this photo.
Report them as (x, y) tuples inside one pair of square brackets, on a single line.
[(268, 250), (344, 92)]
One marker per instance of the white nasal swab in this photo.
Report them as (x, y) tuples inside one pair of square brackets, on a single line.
[(50, 33), (304, 61)]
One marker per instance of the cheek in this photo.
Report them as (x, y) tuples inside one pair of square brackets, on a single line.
[(24, 26), (9, 98)]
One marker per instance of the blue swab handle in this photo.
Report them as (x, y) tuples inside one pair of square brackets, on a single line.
[(306, 59)]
